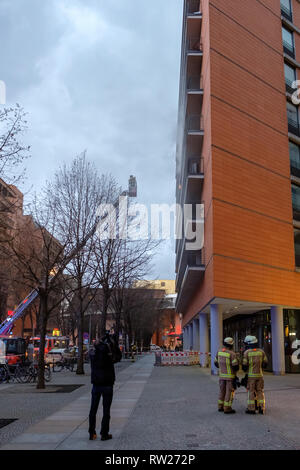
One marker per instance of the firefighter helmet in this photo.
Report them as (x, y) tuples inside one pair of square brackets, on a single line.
[(250, 340), (228, 341)]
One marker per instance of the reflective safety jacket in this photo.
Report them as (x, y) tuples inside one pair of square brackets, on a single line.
[(254, 360), (227, 363)]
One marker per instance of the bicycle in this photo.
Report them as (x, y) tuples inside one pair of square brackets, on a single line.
[(63, 364), (14, 373), (32, 373)]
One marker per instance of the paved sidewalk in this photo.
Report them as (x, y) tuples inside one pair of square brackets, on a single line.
[(68, 428), (173, 408)]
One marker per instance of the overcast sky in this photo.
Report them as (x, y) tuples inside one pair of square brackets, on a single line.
[(101, 76)]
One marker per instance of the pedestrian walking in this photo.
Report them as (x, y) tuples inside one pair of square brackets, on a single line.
[(102, 358), (254, 361), (227, 363)]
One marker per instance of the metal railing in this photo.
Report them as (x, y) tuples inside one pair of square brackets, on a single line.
[(192, 260), (288, 49), (288, 86), (195, 166), (286, 12), (194, 83), (195, 123), (293, 127), (194, 44), (193, 7)]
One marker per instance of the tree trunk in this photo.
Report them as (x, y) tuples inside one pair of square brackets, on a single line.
[(43, 330), (104, 315), (80, 362)]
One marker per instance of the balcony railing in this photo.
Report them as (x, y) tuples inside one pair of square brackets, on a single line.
[(286, 12), (288, 86), (193, 7), (192, 260), (295, 167), (195, 123), (194, 45), (293, 127), (296, 213), (195, 166), (194, 83), (288, 49)]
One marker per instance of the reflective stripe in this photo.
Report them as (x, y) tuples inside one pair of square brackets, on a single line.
[(226, 376), (235, 361), (251, 402), (257, 353), (223, 354), (220, 402)]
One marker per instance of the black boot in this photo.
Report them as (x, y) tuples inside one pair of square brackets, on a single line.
[(105, 437), (229, 412), (250, 412), (93, 436), (261, 410)]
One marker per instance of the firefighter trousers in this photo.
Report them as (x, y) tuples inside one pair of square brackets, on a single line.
[(226, 394), (255, 389)]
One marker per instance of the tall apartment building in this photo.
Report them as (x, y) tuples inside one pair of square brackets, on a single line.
[(238, 153)]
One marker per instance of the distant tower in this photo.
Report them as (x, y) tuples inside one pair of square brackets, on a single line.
[(132, 186)]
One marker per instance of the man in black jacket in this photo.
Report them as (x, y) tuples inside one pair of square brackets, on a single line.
[(103, 379)]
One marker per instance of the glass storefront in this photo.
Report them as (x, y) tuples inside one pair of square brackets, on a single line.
[(259, 325)]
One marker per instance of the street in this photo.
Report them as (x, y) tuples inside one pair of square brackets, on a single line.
[(162, 408)]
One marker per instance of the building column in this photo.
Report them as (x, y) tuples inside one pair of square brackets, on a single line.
[(278, 357), (204, 340), (216, 333), (191, 336), (185, 338), (196, 343)]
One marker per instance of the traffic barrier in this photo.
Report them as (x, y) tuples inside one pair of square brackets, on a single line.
[(177, 358)]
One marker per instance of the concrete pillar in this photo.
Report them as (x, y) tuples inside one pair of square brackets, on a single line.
[(216, 333), (196, 343), (186, 339), (278, 357), (204, 339), (191, 336)]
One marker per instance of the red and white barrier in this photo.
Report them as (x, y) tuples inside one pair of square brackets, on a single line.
[(180, 358)]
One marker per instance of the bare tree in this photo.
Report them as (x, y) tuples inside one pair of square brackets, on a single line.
[(77, 192), (13, 124)]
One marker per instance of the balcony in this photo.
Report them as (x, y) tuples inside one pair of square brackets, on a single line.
[(194, 84), (288, 49), (193, 8), (296, 213), (194, 181), (295, 168), (194, 46), (286, 12), (293, 127), (288, 87), (195, 124), (191, 272)]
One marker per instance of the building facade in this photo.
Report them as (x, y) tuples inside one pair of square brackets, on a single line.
[(238, 154)]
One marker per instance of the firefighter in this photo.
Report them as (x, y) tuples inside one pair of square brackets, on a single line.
[(254, 361), (228, 365)]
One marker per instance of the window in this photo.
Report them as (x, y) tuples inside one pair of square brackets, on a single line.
[(293, 121), (297, 248), (290, 77), (288, 42), (286, 9), (296, 201), (295, 158)]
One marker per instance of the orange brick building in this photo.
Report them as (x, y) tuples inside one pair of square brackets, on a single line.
[(238, 153)]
